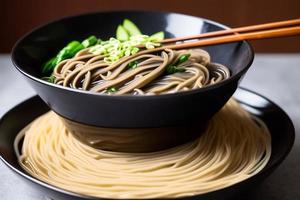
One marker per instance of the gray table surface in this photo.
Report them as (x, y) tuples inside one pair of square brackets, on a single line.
[(276, 76)]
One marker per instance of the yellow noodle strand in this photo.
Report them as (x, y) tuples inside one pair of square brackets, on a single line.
[(234, 147)]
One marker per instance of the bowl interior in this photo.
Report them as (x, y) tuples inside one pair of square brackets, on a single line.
[(41, 44)]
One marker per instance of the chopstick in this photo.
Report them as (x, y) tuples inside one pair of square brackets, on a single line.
[(251, 33), (283, 32), (265, 26)]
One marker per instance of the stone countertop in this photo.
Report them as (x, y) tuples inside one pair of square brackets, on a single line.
[(276, 76)]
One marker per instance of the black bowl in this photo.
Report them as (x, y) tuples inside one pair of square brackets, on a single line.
[(279, 124), (127, 111)]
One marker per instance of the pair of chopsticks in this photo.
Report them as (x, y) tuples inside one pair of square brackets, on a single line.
[(254, 32)]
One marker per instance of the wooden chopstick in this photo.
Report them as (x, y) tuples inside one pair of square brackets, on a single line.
[(255, 35), (265, 26), (282, 32)]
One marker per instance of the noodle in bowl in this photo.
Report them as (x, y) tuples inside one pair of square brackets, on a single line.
[(87, 71)]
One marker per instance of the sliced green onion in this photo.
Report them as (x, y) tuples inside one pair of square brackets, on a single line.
[(171, 69), (156, 37), (111, 90), (182, 59), (90, 41), (114, 49), (131, 28), (132, 64), (134, 50), (122, 34)]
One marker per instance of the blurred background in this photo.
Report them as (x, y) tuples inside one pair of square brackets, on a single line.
[(20, 16)]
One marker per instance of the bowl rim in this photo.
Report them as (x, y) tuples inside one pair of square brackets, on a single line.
[(128, 96), (268, 168)]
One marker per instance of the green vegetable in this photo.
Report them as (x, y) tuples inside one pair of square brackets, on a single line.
[(132, 64), (49, 66), (131, 28), (182, 59), (171, 69), (69, 51), (122, 34), (90, 41), (134, 50), (128, 37), (111, 90), (156, 37), (50, 79)]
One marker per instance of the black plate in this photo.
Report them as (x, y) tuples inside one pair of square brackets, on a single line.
[(277, 120)]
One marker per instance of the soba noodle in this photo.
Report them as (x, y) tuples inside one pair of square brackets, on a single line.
[(148, 75), (235, 147)]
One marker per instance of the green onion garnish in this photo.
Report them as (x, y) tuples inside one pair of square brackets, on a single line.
[(132, 64), (171, 69), (182, 59), (111, 90)]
